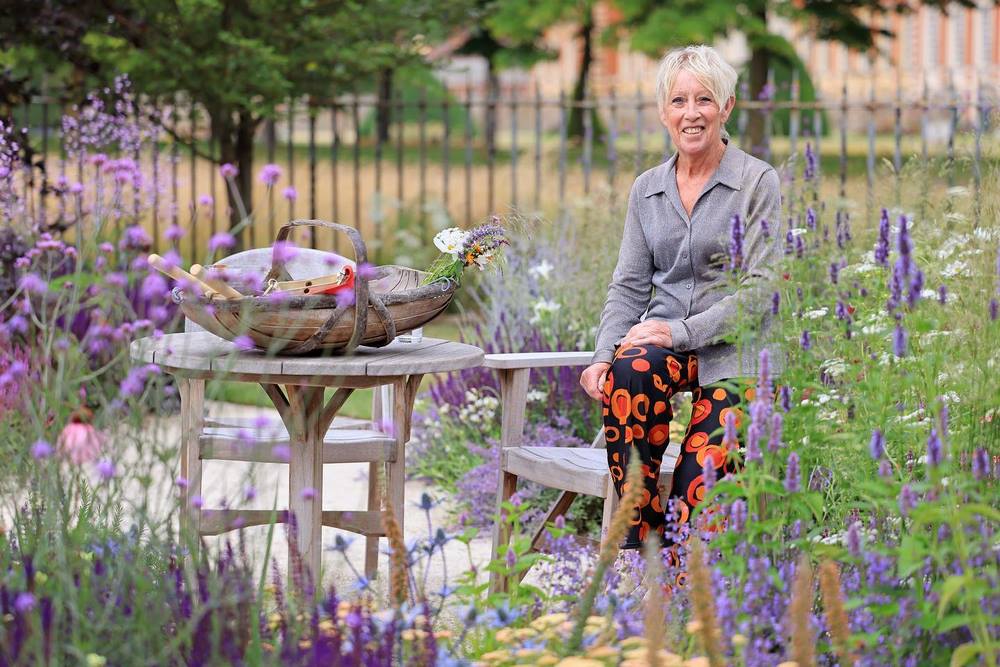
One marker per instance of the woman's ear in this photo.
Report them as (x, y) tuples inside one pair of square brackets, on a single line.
[(727, 110)]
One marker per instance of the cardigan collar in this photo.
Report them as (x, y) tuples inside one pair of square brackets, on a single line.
[(728, 173)]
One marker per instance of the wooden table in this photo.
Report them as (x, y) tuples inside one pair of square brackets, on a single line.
[(194, 358)]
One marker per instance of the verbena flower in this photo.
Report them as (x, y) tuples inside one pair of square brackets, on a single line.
[(228, 170), (269, 174), (206, 201), (106, 469), (221, 240), (41, 450), (290, 193)]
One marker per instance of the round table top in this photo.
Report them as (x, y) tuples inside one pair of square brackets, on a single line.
[(205, 354)]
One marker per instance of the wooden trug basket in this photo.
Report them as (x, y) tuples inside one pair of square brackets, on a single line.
[(395, 303)]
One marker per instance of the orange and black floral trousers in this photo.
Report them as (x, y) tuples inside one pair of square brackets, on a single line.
[(637, 415)]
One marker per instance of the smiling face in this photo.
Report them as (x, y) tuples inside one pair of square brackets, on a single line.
[(692, 116)]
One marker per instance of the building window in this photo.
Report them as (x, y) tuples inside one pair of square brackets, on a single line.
[(987, 12), (932, 38)]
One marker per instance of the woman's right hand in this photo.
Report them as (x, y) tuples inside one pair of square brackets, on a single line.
[(592, 379)]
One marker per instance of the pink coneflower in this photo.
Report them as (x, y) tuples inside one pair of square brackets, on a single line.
[(269, 174), (79, 441), (228, 170)]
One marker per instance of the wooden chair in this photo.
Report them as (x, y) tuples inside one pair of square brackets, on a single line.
[(226, 438), (573, 470)]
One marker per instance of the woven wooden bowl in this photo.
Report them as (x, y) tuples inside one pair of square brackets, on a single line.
[(393, 302)]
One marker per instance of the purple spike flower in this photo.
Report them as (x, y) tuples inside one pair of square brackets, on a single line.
[(737, 516), (854, 539), (980, 463), (943, 294), (764, 387), (736, 244), (775, 302), (899, 340), (800, 247), (907, 500), (786, 398), (834, 272), (877, 445), (777, 425), (882, 245), (805, 341), (994, 309), (811, 218), (935, 451), (809, 172), (916, 285), (708, 473), (793, 475)]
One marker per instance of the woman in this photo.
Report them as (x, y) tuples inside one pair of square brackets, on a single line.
[(674, 266)]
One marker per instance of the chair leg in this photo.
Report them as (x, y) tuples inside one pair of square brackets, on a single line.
[(610, 505), (501, 530), (375, 472), (192, 393)]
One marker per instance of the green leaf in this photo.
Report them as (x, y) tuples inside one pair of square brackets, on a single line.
[(951, 586)]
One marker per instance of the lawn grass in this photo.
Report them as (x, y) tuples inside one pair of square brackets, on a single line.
[(357, 406)]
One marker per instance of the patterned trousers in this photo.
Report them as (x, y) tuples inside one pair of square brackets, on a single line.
[(637, 415)]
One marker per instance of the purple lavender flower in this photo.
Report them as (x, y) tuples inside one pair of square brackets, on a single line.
[(736, 244), (800, 247), (907, 500), (884, 469), (834, 272), (994, 309), (765, 228), (708, 473), (935, 451), (882, 245), (737, 516), (943, 294), (764, 387), (775, 302), (899, 340), (269, 174), (916, 285), (789, 241), (854, 539), (811, 218), (41, 450), (786, 398), (877, 445), (980, 463), (221, 240), (228, 170), (809, 172), (840, 310), (805, 341), (774, 439), (793, 475)]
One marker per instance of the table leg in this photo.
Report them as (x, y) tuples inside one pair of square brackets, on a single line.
[(404, 391), (305, 473), (192, 393)]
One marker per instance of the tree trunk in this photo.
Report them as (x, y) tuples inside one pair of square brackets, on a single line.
[(490, 108), (759, 64), (575, 127), (236, 147), (383, 115)]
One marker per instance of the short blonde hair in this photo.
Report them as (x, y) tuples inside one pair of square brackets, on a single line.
[(707, 66)]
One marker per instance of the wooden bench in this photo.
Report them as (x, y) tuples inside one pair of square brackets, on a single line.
[(573, 470)]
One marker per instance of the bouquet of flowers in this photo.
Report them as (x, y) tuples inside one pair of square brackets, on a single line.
[(459, 249)]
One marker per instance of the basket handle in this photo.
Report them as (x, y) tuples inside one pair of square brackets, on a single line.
[(360, 283)]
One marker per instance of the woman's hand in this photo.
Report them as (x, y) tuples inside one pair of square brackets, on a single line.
[(592, 379), (650, 332)]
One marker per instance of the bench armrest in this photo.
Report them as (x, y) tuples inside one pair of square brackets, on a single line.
[(516, 360)]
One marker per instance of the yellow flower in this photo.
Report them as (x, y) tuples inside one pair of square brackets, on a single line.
[(505, 635), (524, 633), (549, 620), (94, 660), (633, 641), (601, 652), (739, 640), (547, 661), (496, 656)]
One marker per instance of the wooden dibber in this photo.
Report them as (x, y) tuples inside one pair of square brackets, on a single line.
[(220, 286), (177, 273), (342, 280)]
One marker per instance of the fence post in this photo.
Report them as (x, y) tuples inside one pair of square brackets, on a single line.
[(538, 147), (843, 139), (639, 161), (612, 138), (313, 111), (513, 146), (562, 148)]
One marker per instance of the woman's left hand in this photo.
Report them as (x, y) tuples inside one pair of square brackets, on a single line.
[(650, 332)]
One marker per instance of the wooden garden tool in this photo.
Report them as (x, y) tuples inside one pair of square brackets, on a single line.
[(220, 286), (177, 273)]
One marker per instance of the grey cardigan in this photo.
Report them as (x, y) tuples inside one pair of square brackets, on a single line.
[(673, 268)]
